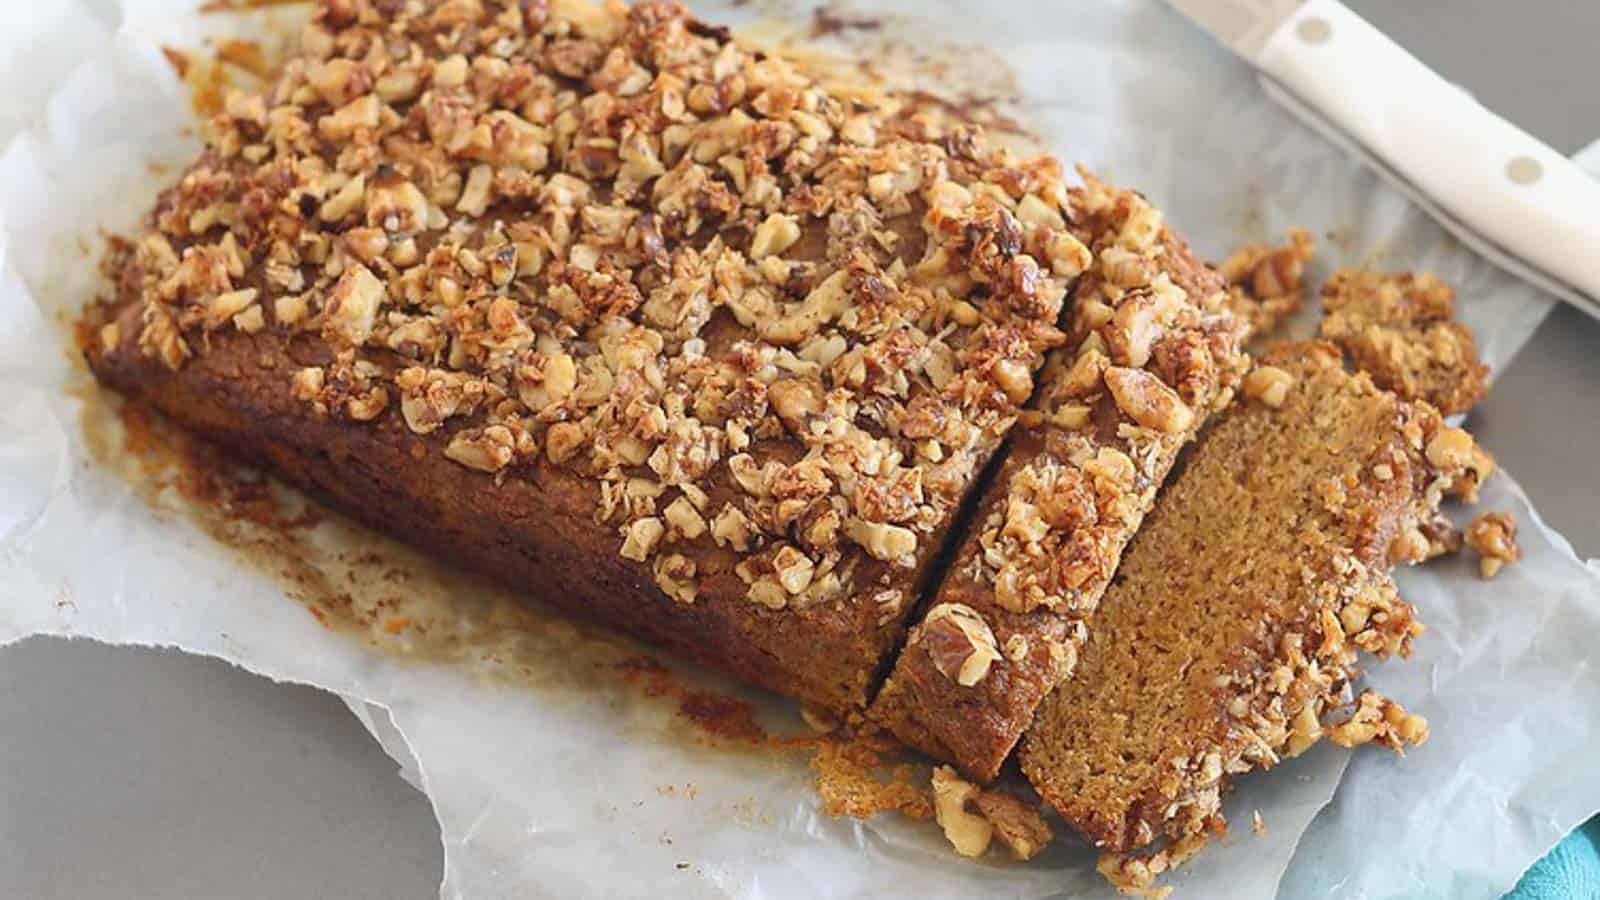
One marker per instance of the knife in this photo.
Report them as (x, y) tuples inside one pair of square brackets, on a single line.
[(1505, 194)]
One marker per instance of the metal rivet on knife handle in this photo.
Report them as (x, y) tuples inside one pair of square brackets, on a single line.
[(1314, 30), (1524, 170)]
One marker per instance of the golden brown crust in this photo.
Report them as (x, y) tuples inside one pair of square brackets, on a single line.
[(1150, 355), (758, 335), (1402, 330), (1266, 284), (1236, 617)]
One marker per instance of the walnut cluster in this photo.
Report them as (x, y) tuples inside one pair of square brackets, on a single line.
[(1494, 536), (764, 315), (1266, 284), (1402, 329), (973, 817)]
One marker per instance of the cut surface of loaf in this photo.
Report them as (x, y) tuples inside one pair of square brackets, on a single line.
[(1234, 623), (1151, 354), (597, 301)]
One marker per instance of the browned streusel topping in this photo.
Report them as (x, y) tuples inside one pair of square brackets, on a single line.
[(766, 315), (1236, 622), (1494, 536), (1151, 353), (1377, 718), (1150, 363), (1266, 283), (1402, 330)]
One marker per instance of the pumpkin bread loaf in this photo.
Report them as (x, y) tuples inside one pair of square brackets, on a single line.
[(649, 325)]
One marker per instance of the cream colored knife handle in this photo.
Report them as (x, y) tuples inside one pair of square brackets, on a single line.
[(1496, 179)]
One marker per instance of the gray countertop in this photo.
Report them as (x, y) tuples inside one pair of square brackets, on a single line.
[(133, 773)]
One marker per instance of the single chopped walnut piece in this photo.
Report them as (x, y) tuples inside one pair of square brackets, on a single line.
[(223, 308), (1451, 449), (1148, 400), (475, 196), (1377, 718), (1494, 536), (345, 201), (564, 440), (684, 519), (959, 642), (1479, 468), (774, 235), (1014, 378), (969, 832), (367, 405), (794, 569), (306, 385), (675, 576), (1016, 823), (768, 593), (889, 543), (488, 450), (1269, 385), (353, 306), (732, 528), (641, 538)]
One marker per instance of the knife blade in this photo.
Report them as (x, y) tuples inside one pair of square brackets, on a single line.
[(1505, 194)]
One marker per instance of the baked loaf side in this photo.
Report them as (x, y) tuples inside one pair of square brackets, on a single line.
[(1151, 353), (657, 328), (1234, 624)]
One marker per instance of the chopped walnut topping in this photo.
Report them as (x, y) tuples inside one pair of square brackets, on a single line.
[(1017, 824), (1401, 329), (1147, 400), (1451, 449), (353, 306), (612, 239), (675, 576), (1494, 536), (488, 450), (641, 537), (1266, 283), (1377, 718), (1268, 384), (969, 832), (959, 642), (890, 543), (1478, 469)]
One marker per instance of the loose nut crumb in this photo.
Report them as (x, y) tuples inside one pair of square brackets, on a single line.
[(1377, 718), (969, 832), (1494, 536), (1266, 283), (1017, 823)]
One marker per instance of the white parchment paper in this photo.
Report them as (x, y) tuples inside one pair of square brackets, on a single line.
[(549, 775)]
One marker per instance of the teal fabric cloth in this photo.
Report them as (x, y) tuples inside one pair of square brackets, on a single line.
[(1570, 872)]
